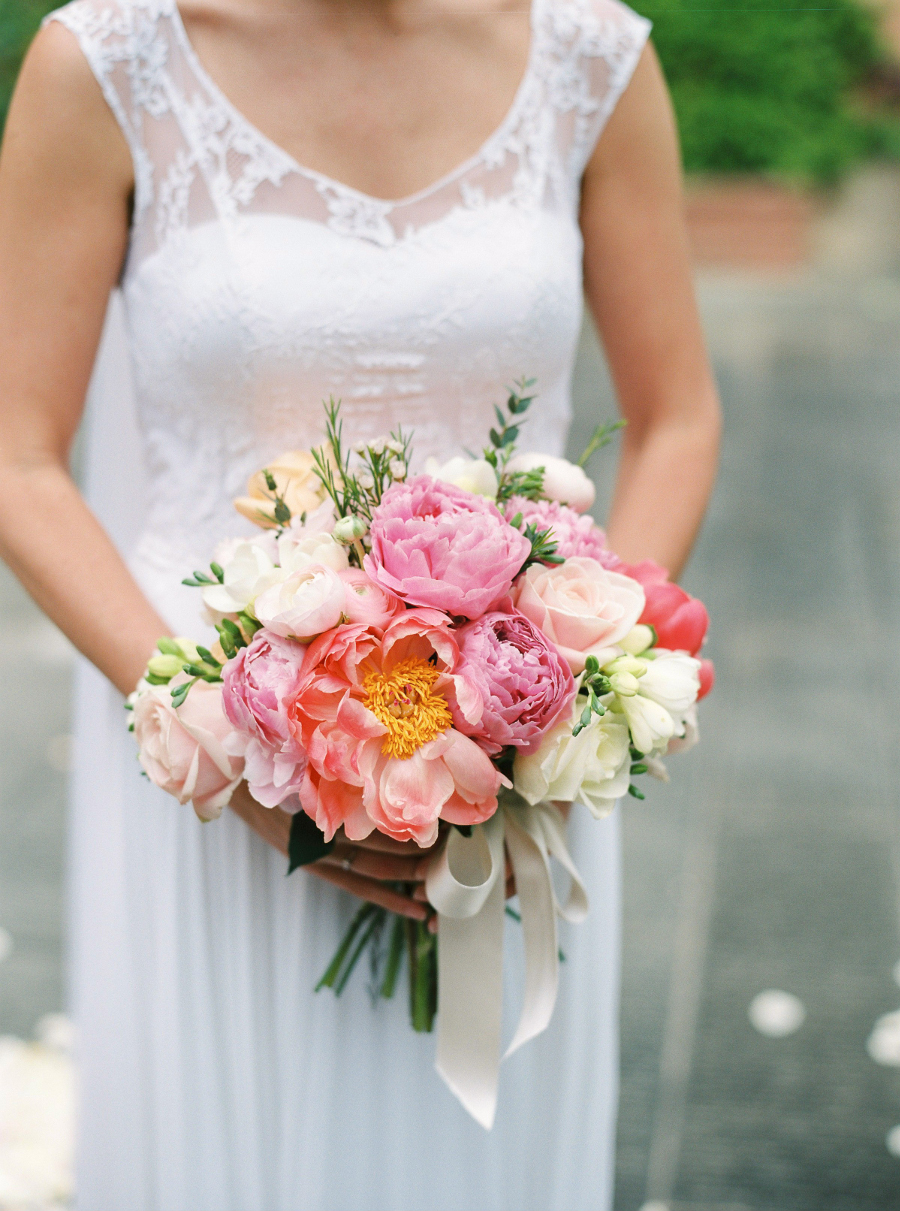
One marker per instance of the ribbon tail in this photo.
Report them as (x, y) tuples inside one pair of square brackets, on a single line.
[(577, 905), (531, 867), (470, 993)]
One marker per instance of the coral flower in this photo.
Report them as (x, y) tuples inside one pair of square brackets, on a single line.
[(680, 621), (376, 715)]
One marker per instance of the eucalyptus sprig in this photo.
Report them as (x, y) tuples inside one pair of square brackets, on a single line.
[(603, 435), (503, 443)]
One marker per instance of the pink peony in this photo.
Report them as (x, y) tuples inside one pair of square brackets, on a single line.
[(260, 685), (574, 533), (680, 621), (368, 602), (580, 606), (376, 713), (434, 544), (183, 751), (525, 683)]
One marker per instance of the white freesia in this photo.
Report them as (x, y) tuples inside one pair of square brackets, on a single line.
[(248, 572), (475, 475), (563, 481), (651, 724), (673, 680), (683, 744), (593, 767), (304, 605)]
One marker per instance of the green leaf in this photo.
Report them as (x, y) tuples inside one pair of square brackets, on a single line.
[(639, 768), (207, 657), (218, 571), (282, 512), (202, 578), (510, 435), (270, 481), (501, 419), (307, 842), (250, 624), (603, 435), (191, 583), (496, 438), (586, 715), (636, 792)]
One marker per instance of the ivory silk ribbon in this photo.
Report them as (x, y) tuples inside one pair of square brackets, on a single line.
[(467, 885)]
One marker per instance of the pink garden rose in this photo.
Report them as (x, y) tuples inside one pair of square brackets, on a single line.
[(261, 683), (525, 683), (376, 715), (182, 751), (367, 602), (574, 533), (580, 606), (434, 544), (680, 621)]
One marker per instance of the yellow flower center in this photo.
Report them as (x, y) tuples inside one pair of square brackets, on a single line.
[(405, 702)]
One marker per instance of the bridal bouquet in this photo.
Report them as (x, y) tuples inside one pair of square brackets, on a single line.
[(441, 657)]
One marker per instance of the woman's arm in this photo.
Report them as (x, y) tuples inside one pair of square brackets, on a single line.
[(65, 183), (639, 286), (65, 186)]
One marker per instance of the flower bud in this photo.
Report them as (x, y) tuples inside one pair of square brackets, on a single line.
[(378, 446), (626, 664), (349, 530), (396, 447), (365, 481), (164, 666), (638, 639), (397, 468), (624, 684)]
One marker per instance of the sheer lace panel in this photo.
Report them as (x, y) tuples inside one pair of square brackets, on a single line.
[(197, 158)]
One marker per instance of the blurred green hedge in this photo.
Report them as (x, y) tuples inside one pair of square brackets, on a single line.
[(757, 88), (795, 91)]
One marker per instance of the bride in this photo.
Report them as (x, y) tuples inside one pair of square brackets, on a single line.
[(399, 203)]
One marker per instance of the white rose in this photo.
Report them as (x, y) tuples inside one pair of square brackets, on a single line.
[(563, 481), (472, 474), (248, 572), (296, 553), (304, 605), (593, 767)]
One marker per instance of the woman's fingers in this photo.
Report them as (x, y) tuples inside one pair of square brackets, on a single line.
[(374, 863), (369, 889), (387, 845)]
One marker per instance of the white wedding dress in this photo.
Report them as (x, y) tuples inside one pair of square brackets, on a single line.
[(213, 1078)]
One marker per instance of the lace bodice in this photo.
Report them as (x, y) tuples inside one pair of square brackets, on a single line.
[(255, 287)]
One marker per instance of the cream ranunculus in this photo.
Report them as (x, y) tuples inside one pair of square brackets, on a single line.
[(304, 605), (581, 607), (298, 550), (295, 481), (593, 767), (182, 751), (472, 474), (563, 481), (249, 572)]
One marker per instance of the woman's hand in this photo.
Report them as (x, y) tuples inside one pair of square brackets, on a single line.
[(363, 868)]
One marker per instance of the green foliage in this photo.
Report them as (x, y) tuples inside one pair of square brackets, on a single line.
[(775, 89), (19, 20)]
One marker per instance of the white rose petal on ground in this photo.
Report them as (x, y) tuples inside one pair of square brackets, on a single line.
[(6, 943), (37, 1122), (776, 1014), (883, 1044), (892, 1141)]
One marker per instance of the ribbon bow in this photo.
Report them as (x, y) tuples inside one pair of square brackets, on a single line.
[(466, 883)]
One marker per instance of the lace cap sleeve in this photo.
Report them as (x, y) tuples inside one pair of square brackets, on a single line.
[(108, 35), (610, 41)]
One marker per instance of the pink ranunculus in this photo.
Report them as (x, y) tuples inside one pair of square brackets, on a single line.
[(574, 533), (434, 544), (183, 751), (261, 683), (376, 714), (680, 621), (304, 605), (524, 681), (366, 601), (580, 606)]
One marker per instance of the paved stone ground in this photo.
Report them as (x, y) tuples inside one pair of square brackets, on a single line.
[(773, 858)]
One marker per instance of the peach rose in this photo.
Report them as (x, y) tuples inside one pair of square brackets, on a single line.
[(295, 480), (182, 750), (580, 606)]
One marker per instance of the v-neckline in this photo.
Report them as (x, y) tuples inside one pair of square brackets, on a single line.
[(323, 179)]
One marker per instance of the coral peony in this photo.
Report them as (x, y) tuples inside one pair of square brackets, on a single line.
[(523, 680), (368, 602), (260, 685), (434, 544), (376, 713), (574, 533), (680, 621), (581, 607), (182, 751)]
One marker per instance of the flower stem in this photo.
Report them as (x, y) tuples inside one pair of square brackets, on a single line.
[(395, 955), (334, 967)]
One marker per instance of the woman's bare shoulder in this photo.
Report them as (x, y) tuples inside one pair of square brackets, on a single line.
[(59, 112)]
